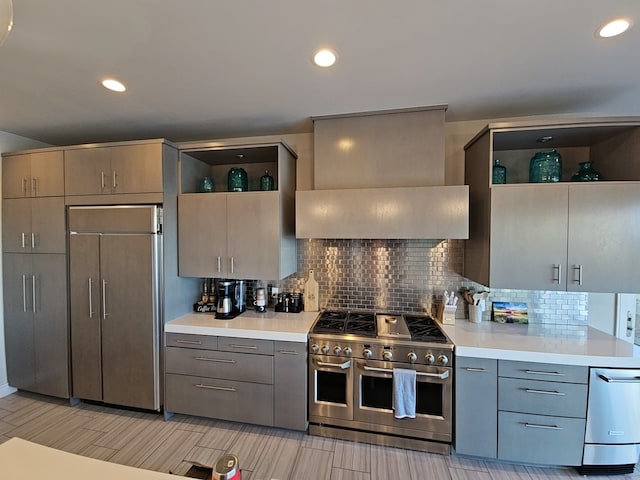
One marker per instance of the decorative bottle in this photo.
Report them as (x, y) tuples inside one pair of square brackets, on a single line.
[(499, 173), (545, 166), (266, 181), (586, 173), (206, 185), (237, 180)]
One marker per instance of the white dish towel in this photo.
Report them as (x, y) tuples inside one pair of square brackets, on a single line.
[(404, 393)]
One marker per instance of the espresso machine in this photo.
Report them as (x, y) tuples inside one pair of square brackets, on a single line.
[(231, 299)]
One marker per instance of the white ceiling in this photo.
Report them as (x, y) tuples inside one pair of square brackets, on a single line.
[(199, 69)]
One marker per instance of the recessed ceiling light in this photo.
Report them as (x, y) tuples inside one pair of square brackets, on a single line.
[(324, 57), (544, 139), (113, 84), (615, 27)]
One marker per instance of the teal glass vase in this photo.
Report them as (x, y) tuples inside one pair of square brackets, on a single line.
[(266, 181), (499, 173), (237, 180), (545, 167), (586, 173), (206, 185)]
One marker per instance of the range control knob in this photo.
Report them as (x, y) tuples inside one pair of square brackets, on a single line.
[(412, 357), (429, 358), (347, 351), (442, 359), (315, 348), (366, 353), (325, 349), (387, 355), (337, 349)]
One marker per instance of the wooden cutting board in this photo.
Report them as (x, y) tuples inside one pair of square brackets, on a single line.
[(311, 294)]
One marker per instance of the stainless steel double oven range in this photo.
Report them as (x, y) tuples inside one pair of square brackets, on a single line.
[(352, 355)]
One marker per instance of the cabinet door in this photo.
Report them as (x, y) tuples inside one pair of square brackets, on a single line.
[(48, 225), (290, 385), (16, 225), (47, 174), (529, 237), (202, 235), (130, 338), (604, 236), (50, 325), (253, 235), (476, 407), (16, 176), (18, 320), (87, 171), (84, 294), (136, 169)]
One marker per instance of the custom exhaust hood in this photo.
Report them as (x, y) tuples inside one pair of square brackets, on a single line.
[(380, 175)]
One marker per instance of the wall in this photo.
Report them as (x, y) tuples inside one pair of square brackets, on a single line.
[(8, 143)]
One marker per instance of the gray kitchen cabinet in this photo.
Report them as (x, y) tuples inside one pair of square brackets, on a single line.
[(290, 385), (133, 168), (541, 412), (35, 322), (237, 234), (33, 225), (476, 407), (33, 174), (572, 237), (567, 236)]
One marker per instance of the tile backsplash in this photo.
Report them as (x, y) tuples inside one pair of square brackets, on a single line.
[(410, 276)]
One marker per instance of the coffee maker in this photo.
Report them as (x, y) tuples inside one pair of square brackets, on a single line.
[(231, 299)]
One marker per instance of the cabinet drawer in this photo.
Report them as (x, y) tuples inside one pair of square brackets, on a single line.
[(540, 439), (245, 345), (215, 364), (543, 371), (543, 398), (224, 399), (192, 341), (291, 348)]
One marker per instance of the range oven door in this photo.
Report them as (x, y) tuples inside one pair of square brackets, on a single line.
[(374, 399), (330, 388)]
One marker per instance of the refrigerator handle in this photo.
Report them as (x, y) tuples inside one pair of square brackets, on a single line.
[(33, 293), (104, 300), (90, 298), (24, 293)]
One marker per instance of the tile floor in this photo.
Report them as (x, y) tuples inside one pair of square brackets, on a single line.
[(145, 440)]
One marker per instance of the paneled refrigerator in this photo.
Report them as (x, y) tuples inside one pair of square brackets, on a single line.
[(115, 273)]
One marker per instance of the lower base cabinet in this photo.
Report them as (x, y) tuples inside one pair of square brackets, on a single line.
[(520, 411), (262, 382)]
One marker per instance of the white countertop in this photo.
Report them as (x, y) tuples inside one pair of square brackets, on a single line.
[(270, 325), (22, 459), (535, 343)]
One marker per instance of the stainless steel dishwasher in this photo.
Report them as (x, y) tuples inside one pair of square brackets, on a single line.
[(612, 437)]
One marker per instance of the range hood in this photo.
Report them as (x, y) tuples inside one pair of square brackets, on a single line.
[(380, 175)]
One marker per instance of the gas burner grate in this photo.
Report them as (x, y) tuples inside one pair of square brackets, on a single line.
[(424, 328), (361, 327), (329, 325)]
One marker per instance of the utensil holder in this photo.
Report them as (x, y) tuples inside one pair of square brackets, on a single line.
[(475, 313)]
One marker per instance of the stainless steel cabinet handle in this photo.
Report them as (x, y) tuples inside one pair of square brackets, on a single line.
[(558, 273), (219, 264), (537, 372), (544, 392), (24, 293), (115, 184), (232, 264), (213, 387), (619, 380), (475, 369), (248, 347), (33, 293), (547, 427), (102, 185), (24, 185), (104, 300), (90, 298), (217, 360), (34, 185), (342, 366), (33, 241), (190, 342), (288, 352), (579, 269), (24, 240), (441, 376)]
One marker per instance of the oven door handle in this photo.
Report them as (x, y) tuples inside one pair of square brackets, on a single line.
[(343, 366), (441, 376)]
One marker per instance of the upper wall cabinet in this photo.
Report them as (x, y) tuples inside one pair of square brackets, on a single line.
[(131, 168), (563, 236), (33, 174), (245, 234)]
